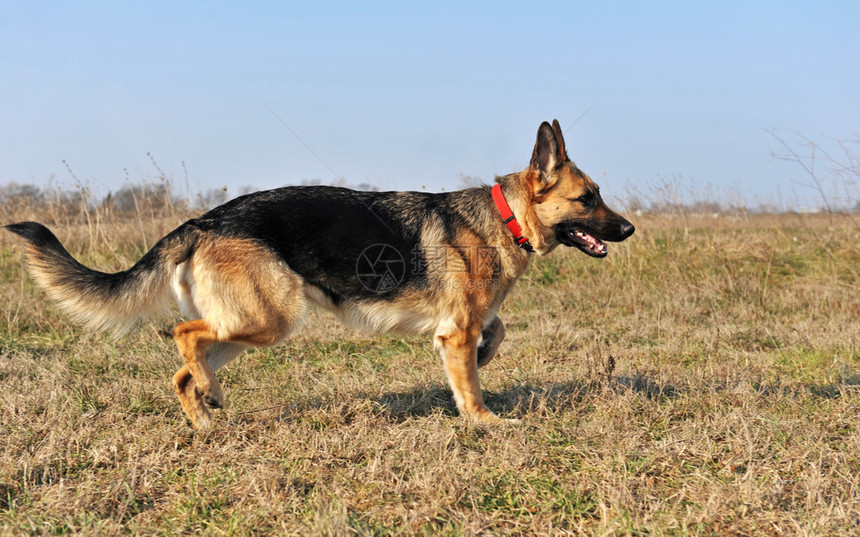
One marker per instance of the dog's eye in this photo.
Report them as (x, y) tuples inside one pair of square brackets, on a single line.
[(585, 199)]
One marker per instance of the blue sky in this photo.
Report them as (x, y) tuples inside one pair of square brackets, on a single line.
[(412, 95)]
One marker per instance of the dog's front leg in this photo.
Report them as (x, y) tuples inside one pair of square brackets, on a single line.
[(458, 348)]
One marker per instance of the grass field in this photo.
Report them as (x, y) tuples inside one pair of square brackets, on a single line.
[(703, 379)]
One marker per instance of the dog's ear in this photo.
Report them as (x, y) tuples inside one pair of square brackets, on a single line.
[(559, 137), (547, 155)]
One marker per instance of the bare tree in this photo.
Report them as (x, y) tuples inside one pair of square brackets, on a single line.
[(834, 172)]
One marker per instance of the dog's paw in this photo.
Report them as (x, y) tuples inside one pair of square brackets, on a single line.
[(213, 402), (213, 397), (491, 418), (505, 421), (485, 354), (197, 412)]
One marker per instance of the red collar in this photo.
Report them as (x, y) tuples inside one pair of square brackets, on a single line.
[(509, 218)]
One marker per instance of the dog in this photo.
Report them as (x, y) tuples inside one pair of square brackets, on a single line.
[(246, 272)]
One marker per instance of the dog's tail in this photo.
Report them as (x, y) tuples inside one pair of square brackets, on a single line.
[(101, 300)]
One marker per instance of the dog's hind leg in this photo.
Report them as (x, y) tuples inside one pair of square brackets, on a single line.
[(491, 337), (193, 339), (192, 403), (218, 355), (195, 383), (246, 297)]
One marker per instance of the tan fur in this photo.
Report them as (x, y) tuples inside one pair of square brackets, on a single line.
[(245, 297), (458, 348), (241, 288)]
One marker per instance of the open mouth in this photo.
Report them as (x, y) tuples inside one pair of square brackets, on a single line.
[(582, 240)]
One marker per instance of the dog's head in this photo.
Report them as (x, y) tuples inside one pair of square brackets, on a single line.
[(565, 202)]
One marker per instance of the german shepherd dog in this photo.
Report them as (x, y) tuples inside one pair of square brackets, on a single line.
[(246, 272)]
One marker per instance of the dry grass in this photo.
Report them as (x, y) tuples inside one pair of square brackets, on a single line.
[(703, 379)]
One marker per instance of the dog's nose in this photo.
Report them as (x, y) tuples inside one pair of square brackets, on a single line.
[(627, 229)]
